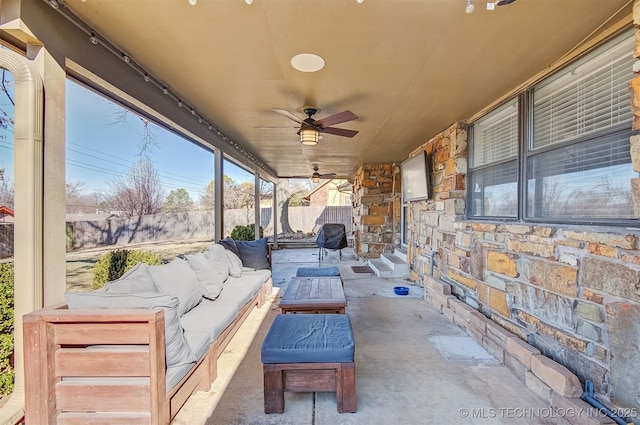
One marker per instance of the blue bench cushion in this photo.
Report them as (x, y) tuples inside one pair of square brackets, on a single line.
[(317, 271), (309, 338)]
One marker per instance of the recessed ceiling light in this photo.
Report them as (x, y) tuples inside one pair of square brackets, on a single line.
[(307, 62)]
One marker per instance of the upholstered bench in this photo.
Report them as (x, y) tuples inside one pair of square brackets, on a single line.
[(306, 353), (317, 271)]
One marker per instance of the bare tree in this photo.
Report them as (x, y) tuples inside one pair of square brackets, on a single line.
[(266, 190), (79, 202), (147, 138), (238, 195), (137, 193), (6, 191), (6, 119)]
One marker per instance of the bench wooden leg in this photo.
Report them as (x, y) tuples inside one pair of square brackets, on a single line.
[(346, 388), (273, 389)]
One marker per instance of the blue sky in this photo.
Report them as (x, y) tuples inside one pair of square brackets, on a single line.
[(100, 149), (6, 135)]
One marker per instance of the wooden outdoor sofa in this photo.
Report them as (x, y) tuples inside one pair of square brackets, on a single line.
[(110, 365)]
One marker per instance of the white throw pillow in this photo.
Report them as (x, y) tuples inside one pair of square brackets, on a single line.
[(178, 279), (235, 264), (208, 275), (136, 279), (217, 255)]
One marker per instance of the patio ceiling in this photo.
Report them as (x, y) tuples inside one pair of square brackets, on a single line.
[(407, 68)]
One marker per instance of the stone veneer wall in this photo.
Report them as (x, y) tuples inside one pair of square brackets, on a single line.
[(376, 210), (527, 292), (571, 292)]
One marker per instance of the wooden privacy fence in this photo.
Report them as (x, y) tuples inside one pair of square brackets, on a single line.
[(194, 225), (310, 219), (146, 228)]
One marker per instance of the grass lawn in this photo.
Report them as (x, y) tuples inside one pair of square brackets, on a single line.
[(80, 263)]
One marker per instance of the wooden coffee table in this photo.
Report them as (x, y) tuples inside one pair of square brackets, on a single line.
[(322, 295)]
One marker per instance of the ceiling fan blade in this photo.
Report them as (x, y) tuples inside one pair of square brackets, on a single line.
[(273, 127), (338, 118), (328, 176), (288, 114), (340, 131)]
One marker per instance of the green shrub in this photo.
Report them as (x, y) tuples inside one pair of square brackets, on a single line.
[(6, 328), (245, 233), (113, 264)]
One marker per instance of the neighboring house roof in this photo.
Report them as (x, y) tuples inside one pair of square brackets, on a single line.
[(310, 193), (341, 186), (5, 211)]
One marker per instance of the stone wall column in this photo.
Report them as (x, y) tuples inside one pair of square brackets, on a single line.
[(375, 201)]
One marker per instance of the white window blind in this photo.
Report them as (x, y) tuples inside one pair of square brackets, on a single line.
[(495, 136), (589, 97)]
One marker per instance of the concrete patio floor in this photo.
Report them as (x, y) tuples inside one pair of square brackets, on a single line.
[(413, 366)]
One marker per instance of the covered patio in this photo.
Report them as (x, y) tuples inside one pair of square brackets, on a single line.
[(413, 365), (524, 240)]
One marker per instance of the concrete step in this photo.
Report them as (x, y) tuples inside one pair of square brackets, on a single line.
[(399, 266), (389, 265), (380, 267), (400, 253)]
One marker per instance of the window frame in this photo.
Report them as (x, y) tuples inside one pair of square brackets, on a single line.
[(525, 152), (471, 170)]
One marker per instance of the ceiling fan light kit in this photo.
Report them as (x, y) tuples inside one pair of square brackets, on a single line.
[(311, 129), (309, 136)]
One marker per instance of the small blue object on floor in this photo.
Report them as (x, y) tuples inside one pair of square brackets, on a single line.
[(317, 271), (401, 290)]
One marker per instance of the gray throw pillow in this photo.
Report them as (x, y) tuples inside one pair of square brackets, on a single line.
[(229, 244), (136, 279), (254, 254), (178, 279), (235, 264), (177, 350), (217, 254), (208, 275)]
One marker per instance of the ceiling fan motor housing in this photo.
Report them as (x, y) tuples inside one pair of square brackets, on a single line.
[(310, 111)]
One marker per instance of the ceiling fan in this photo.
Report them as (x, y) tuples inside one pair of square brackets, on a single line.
[(310, 128), (315, 177)]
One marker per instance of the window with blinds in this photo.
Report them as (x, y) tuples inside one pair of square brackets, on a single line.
[(576, 158), (495, 136), (579, 163), (591, 96), (494, 171)]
